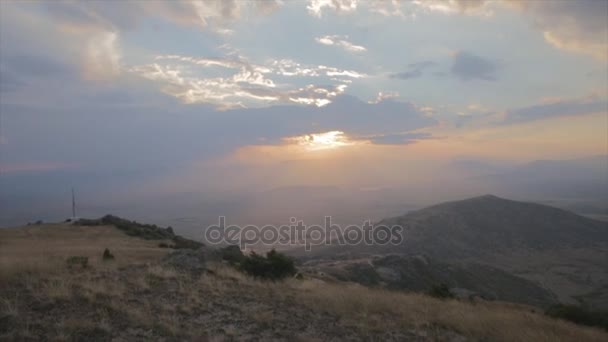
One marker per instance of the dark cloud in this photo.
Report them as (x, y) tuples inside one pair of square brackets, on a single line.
[(106, 137), (467, 66), (126, 15), (557, 109), (578, 26), (8, 82), (83, 15), (345, 113), (463, 120), (414, 70), (36, 66)]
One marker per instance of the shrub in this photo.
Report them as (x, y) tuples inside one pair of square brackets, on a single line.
[(579, 315), (163, 245), (232, 254), (274, 266), (107, 255), (75, 261), (144, 231), (441, 291), (181, 243)]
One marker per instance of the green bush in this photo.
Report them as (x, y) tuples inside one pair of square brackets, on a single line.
[(274, 266), (579, 315), (441, 291)]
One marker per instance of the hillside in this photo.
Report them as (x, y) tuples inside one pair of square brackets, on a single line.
[(558, 250), (420, 273), (46, 247), (488, 225), (139, 297)]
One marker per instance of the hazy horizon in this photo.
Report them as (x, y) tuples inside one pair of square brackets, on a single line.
[(178, 112)]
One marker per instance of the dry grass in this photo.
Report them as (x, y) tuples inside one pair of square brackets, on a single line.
[(44, 248), (152, 302), (161, 272), (9, 307), (170, 306), (373, 309)]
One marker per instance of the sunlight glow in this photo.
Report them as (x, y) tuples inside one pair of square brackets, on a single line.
[(322, 141)]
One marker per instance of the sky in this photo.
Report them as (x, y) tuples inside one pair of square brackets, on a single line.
[(223, 96)]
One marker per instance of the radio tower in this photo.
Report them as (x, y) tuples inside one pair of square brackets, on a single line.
[(73, 205)]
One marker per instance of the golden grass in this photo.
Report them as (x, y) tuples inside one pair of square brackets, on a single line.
[(44, 248), (368, 310), (364, 310), (151, 297), (9, 307), (161, 272), (373, 309)]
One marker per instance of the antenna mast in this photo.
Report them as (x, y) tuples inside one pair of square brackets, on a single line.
[(73, 204)]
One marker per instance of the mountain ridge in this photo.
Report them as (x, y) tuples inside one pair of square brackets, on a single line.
[(559, 250)]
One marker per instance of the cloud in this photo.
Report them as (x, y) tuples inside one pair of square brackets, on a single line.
[(35, 167), (555, 109), (340, 41), (34, 66), (469, 7), (467, 67), (242, 83), (405, 138), (102, 56), (414, 70), (126, 15), (17, 71), (387, 8), (400, 8), (578, 26), (384, 96), (8, 82), (465, 119), (167, 136), (243, 89), (316, 7), (95, 28)]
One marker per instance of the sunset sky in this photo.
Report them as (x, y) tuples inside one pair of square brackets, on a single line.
[(168, 94)]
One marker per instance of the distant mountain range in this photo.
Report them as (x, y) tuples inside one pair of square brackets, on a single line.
[(556, 250)]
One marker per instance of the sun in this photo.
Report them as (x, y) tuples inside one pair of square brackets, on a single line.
[(322, 141)]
